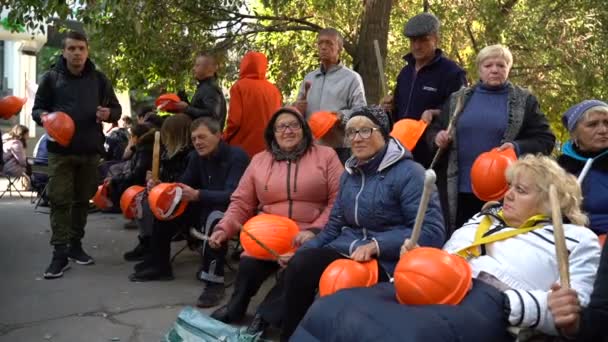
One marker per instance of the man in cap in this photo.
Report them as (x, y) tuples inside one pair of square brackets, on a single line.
[(427, 80)]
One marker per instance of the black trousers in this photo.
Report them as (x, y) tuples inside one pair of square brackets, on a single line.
[(296, 289), (251, 275), (468, 205)]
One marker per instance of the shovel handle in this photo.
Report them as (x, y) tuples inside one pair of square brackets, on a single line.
[(429, 182), (156, 157), (450, 129), (560, 240)]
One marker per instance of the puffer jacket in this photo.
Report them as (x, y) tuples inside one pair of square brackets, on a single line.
[(510, 261), (253, 100), (13, 156), (380, 205), (79, 97), (304, 190)]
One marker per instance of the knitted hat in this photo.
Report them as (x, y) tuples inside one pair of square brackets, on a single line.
[(378, 117), (574, 113), (421, 25)]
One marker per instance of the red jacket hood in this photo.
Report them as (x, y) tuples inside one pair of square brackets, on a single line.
[(253, 65)]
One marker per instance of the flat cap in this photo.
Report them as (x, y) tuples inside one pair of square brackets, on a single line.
[(421, 25)]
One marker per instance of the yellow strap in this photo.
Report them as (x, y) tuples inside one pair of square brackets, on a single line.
[(473, 250)]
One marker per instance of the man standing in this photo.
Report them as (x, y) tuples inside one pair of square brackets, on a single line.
[(333, 87), (426, 82), (208, 100), (253, 100), (75, 87)]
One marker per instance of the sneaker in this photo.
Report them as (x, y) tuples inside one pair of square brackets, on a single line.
[(258, 326), (78, 255), (212, 295), (59, 263)]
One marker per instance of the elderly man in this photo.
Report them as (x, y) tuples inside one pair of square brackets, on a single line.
[(208, 100), (333, 87), (427, 80)]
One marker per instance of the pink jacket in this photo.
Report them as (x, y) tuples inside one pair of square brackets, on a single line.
[(310, 189), (15, 160)]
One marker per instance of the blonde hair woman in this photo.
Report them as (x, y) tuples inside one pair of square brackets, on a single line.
[(513, 271), (494, 113)]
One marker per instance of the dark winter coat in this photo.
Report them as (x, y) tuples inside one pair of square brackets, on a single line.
[(380, 204), (78, 96), (135, 171)]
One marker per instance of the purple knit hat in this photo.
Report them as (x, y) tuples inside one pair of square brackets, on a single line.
[(574, 113)]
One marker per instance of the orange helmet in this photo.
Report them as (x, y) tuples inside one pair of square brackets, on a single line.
[(166, 201), (274, 231), (488, 179), (346, 273), (11, 105), (426, 276), (408, 132), (167, 102), (101, 199), (602, 239), (321, 122), (60, 127), (130, 202)]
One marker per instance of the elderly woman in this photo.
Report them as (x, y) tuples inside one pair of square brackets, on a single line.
[(587, 123), (292, 178), (373, 213), (494, 113), (508, 289), (14, 144)]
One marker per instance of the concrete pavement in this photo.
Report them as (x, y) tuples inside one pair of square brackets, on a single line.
[(90, 303)]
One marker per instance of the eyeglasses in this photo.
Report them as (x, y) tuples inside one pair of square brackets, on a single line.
[(294, 126), (364, 132)]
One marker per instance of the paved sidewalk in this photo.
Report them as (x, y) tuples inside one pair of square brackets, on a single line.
[(90, 303)]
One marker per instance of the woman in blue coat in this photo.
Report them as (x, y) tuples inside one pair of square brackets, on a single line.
[(372, 216)]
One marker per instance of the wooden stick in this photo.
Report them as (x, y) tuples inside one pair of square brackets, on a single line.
[(429, 181), (263, 245), (156, 157), (560, 240), (457, 111), (380, 68)]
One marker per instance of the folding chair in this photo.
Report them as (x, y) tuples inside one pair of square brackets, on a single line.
[(12, 185), (39, 187)]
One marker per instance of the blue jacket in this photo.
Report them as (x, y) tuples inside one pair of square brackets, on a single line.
[(594, 185), (216, 176), (380, 205), (428, 89)]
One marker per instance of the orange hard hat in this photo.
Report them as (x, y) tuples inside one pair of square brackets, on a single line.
[(321, 122), (602, 239), (60, 127), (11, 105), (130, 202), (167, 102), (426, 276), (101, 199), (488, 179), (408, 132), (274, 231), (166, 201), (346, 273)]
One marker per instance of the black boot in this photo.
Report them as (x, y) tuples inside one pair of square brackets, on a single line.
[(139, 252), (212, 295), (152, 273), (77, 254), (258, 326), (236, 308), (59, 263)]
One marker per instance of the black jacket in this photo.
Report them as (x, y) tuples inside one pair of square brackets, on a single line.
[(77, 96), (171, 168), (216, 176), (138, 165), (208, 101), (595, 315)]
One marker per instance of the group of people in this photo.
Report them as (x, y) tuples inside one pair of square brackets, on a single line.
[(354, 193)]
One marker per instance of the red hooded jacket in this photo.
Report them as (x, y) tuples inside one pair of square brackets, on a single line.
[(253, 100)]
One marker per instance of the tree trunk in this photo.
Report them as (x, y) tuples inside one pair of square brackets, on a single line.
[(374, 26)]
